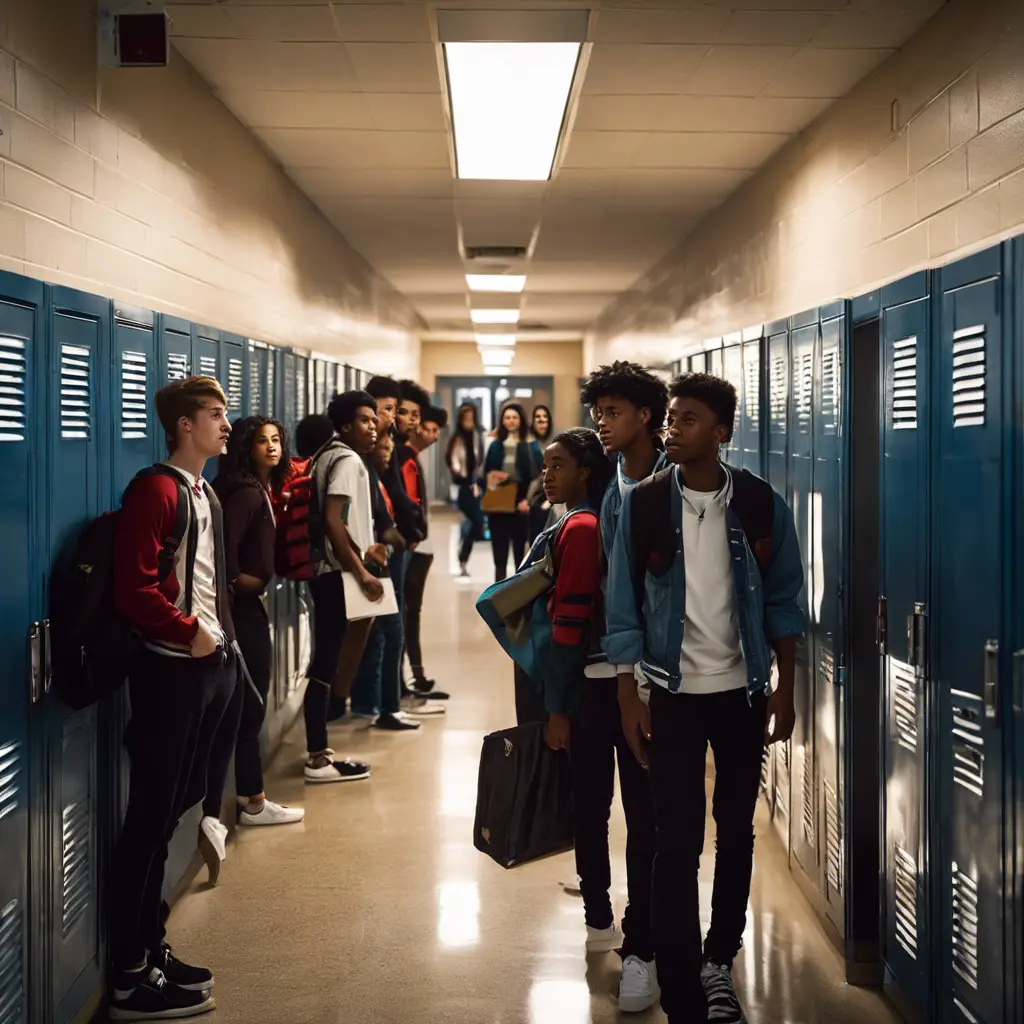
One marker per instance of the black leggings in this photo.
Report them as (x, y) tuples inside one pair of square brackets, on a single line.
[(507, 528), (416, 570), (240, 728)]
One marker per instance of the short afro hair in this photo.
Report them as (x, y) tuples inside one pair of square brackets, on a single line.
[(632, 382), (435, 414), (312, 433), (715, 392), (410, 391), (343, 408), (383, 387)]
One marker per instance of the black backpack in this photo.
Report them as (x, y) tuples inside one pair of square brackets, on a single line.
[(316, 530), (93, 645)]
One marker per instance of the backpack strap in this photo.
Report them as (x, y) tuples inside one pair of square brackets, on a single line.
[(753, 501)]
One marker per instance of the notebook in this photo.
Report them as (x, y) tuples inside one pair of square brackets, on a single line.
[(359, 606)]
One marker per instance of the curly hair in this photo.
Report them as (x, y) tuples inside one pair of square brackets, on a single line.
[(585, 447), (632, 382), (238, 462), (410, 391), (435, 414), (715, 392), (343, 408)]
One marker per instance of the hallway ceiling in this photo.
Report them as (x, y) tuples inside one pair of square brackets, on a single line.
[(681, 101)]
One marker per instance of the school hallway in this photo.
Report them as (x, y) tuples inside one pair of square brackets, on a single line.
[(377, 908)]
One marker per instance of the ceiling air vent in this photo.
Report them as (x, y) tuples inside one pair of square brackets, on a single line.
[(531, 325), (495, 252)]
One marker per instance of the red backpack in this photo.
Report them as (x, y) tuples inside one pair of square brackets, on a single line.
[(293, 555)]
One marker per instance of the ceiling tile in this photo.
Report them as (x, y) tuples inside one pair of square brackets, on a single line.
[(660, 26), (603, 149), (737, 70), (579, 276), (383, 23), (265, 109), (426, 279), (201, 21), (742, 150), (772, 28), (888, 28), (828, 73), (398, 111), (395, 67), (277, 23), (509, 222), (414, 183), (631, 69), (336, 148)]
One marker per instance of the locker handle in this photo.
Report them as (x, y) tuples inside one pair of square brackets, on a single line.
[(917, 646), (882, 631), (35, 668), (1018, 681), (47, 657), (991, 681)]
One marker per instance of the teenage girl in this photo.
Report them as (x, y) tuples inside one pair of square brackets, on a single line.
[(584, 719)]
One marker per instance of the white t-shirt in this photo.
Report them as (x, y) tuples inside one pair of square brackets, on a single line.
[(341, 473)]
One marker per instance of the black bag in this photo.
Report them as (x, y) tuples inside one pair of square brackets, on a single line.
[(93, 645), (524, 797)]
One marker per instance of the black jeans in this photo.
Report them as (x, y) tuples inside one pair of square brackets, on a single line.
[(240, 728), (529, 699), (176, 708), (473, 524), (416, 568), (682, 726), (597, 738), (329, 625), (507, 528)]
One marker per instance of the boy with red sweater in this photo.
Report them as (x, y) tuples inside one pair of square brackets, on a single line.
[(179, 689)]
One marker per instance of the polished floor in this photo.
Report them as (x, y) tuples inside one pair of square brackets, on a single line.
[(378, 908)]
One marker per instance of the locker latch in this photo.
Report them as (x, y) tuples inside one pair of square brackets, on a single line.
[(917, 639), (990, 686), (35, 662), (882, 626)]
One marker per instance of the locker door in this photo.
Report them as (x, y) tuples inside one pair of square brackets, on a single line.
[(826, 561), (22, 429), (319, 386), (80, 417), (803, 344), (903, 579), (732, 370), (206, 352), (1016, 917), (175, 350), (233, 375), (301, 392), (777, 774), (750, 432), (257, 378), (968, 559), (133, 376), (288, 409)]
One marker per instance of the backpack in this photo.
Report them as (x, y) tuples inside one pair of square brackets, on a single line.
[(93, 646), (293, 554), (516, 610)]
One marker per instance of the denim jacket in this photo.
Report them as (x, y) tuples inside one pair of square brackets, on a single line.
[(611, 505), (769, 602)]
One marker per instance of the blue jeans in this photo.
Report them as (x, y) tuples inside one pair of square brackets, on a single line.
[(377, 686), (472, 528)]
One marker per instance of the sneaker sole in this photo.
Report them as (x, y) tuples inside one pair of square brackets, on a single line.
[(337, 778), (604, 946), (637, 1004), (267, 824), (173, 1014)]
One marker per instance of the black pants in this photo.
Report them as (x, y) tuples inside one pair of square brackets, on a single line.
[(597, 738), (507, 528), (329, 624), (682, 726), (240, 728), (416, 568), (529, 699), (176, 708), (473, 524)]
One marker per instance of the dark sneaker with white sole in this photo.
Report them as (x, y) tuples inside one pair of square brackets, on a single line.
[(723, 1006), (396, 723), (325, 769), (148, 995), (194, 979)]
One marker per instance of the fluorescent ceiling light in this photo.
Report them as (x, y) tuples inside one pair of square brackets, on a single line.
[(494, 316), (497, 356), (495, 340), (508, 106), (496, 282)]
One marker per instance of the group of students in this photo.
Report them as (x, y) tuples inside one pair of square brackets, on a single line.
[(200, 684), (677, 597)]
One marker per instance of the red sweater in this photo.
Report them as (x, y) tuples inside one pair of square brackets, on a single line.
[(576, 598), (147, 519)]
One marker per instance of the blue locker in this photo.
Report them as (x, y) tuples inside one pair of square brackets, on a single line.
[(133, 377), (969, 547), (206, 355), (261, 380), (301, 392), (904, 500), (319, 386), (22, 428), (804, 827), (732, 370), (290, 378), (1016, 631), (750, 421), (175, 349), (232, 374)]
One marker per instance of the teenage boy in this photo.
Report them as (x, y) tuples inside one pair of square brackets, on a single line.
[(705, 581), (343, 486), (627, 404), (422, 695), (179, 690), (388, 394)]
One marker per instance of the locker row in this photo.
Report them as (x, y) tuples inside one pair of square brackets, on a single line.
[(893, 425), (77, 378)]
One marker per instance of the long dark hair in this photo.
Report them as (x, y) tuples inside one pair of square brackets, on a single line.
[(533, 421), (524, 426), (585, 447), (237, 463)]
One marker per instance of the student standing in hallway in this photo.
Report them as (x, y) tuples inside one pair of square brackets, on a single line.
[(179, 690), (465, 460), (705, 580), (509, 458), (541, 427)]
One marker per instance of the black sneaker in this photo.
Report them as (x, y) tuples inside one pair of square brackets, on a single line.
[(430, 694), (336, 771), (148, 995), (193, 979), (395, 723), (723, 1006)]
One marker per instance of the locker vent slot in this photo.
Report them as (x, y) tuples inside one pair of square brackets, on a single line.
[(969, 377), (12, 390), (235, 386), (75, 393), (807, 796), (255, 382), (301, 392), (903, 691), (10, 786), (289, 389), (134, 403), (904, 384), (965, 926), (833, 839), (268, 398), (777, 395), (968, 743), (77, 862), (805, 392), (752, 393), (904, 886), (12, 991), (177, 366), (208, 366), (765, 771), (830, 392), (968, 1016)]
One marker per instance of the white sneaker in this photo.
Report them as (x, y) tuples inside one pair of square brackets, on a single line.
[(421, 707), (271, 814), (217, 833), (638, 987), (604, 940)]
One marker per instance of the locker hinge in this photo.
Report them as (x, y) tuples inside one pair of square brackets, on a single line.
[(35, 662), (882, 626)]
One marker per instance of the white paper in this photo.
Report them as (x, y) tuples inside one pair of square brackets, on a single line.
[(359, 606)]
